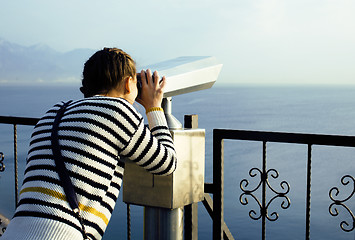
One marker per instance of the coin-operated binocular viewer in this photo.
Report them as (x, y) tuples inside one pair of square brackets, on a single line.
[(164, 197)]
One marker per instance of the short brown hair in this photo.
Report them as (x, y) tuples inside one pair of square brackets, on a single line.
[(105, 70)]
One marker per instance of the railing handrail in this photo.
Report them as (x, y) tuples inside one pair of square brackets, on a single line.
[(18, 120), (284, 137)]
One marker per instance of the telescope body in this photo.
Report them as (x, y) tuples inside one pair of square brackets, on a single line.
[(187, 74)]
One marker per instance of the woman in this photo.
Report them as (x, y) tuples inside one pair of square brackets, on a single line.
[(95, 136)]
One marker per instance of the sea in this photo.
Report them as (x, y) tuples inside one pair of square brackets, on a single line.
[(317, 109)]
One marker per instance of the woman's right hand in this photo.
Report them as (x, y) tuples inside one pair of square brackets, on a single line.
[(152, 89)]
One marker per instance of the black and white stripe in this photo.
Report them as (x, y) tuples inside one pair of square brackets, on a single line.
[(94, 134)]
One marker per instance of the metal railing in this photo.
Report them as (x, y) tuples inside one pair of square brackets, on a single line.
[(217, 188), (16, 121), (215, 207)]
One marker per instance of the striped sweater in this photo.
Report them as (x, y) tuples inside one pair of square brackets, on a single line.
[(96, 136)]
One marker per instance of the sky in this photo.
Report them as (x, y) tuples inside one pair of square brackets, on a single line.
[(262, 42)]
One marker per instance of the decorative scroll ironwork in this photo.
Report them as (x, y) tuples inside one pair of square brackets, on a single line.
[(263, 206), (2, 165), (333, 210), (3, 224), (3, 229)]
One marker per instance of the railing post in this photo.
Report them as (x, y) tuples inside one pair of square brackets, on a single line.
[(191, 210), (308, 204), (128, 221), (15, 165), (218, 182), (191, 222), (264, 179)]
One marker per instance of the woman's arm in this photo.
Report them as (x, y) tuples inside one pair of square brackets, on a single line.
[(152, 148)]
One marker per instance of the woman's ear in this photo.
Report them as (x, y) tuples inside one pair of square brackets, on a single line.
[(127, 84)]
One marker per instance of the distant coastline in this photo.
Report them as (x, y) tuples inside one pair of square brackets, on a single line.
[(39, 64)]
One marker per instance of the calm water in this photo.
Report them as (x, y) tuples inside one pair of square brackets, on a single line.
[(324, 110)]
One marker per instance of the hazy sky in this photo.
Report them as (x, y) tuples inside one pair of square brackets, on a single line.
[(258, 41)]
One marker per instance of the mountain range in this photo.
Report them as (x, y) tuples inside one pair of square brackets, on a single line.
[(40, 63)]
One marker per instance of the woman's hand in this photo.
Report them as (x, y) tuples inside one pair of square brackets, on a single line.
[(152, 90)]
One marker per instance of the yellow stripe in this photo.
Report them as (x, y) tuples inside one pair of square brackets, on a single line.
[(45, 191), (154, 109), (62, 197), (94, 212)]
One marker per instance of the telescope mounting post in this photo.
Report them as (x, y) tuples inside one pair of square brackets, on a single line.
[(173, 123)]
